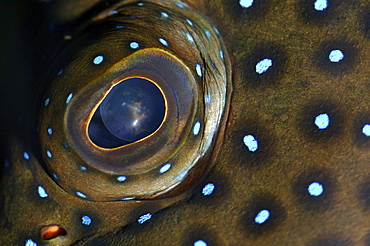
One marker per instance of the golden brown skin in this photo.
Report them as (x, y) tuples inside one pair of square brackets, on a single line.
[(277, 107)]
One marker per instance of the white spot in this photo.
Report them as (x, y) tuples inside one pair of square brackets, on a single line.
[(30, 242), (98, 59), (134, 45), (42, 192), (140, 4), (207, 98), (80, 194), (85, 220), (263, 65), (83, 168), (208, 189), (246, 3), (121, 178), (366, 130), (221, 54), (165, 168), (196, 128), (190, 38), (47, 101), (128, 198), (60, 72), (69, 98), (164, 42), (216, 30), (322, 121), (262, 216), (208, 33), (250, 142), (198, 68), (50, 131), (144, 218), (164, 15), (113, 12), (320, 5), (336, 56), (315, 189), (190, 22), (26, 156), (200, 243), (49, 154)]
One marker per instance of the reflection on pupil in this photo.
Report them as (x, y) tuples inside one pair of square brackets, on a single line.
[(132, 110)]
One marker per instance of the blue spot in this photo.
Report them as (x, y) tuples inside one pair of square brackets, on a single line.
[(366, 130), (128, 198), (42, 192), (83, 168), (263, 65), (250, 142), (140, 4), (98, 59), (60, 72), (180, 5), (246, 3), (190, 38), (80, 194), (189, 21), (113, 12), (315, 189), (134, 45), (6, 163), (26, 156), (198, 68), (320, 5), (49, 154), (262, 216), (165, 168), (85, 220), (30, 242), (65, 145), (50, 131), (200, 243), (164, 15), (322, 121), (47, 101), (164, 42), (144, 218), (196, 128), (69, 98), (208, 189), (336, 56), (119, 27), (55, 175), (121, 178)]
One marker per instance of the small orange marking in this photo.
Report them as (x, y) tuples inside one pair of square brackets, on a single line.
[(51, 232)]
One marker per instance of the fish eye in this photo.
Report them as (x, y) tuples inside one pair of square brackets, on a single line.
[(136, 104)]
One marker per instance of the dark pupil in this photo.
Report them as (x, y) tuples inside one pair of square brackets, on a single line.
[(132, 110)]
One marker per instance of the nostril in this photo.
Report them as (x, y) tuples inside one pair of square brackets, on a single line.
[(51, 232)]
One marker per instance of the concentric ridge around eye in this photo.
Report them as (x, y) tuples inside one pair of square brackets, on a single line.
[(140, 107)]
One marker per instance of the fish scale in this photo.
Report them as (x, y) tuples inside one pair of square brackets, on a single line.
[(277, 107)]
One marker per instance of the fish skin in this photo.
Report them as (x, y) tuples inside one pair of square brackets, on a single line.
[(278, 109)]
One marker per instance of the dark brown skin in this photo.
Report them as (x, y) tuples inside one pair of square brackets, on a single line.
[(278, 108)]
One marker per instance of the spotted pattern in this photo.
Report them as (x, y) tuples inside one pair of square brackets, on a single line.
[(294, 157)]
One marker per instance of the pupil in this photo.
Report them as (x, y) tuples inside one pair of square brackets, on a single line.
[(132, 110)]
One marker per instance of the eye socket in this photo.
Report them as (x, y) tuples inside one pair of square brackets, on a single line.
[(139, 110)]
